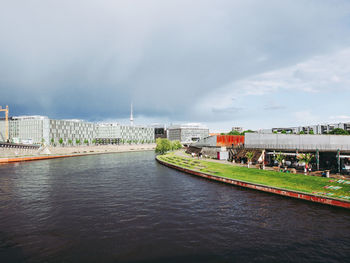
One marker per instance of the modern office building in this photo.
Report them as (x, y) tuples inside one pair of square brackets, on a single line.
[(187, 133), (27, 129), (137, 134), (42, 130), (71, 132), (116, 133), (108, 133)]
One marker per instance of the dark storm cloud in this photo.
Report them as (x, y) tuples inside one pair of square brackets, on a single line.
[(90, 59)]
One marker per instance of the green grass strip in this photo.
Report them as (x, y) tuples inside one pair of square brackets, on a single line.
[(295, 182)]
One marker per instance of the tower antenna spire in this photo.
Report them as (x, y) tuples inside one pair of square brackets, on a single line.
[(131, 115)]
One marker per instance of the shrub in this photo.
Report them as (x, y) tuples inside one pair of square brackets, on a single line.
[(176, 145)]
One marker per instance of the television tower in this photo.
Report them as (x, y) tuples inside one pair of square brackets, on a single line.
[(131, 116)]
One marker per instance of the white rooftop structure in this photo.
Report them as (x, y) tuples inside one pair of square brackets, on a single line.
[(188, 126), (30, 117)]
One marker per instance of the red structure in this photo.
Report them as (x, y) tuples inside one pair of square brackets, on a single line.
[(229, 140)]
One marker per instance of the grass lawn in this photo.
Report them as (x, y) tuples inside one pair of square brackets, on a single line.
[(297, 182)]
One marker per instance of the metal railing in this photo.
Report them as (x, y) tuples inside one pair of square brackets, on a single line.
[(4, 145)]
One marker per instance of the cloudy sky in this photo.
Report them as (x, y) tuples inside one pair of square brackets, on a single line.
[(249, 63)]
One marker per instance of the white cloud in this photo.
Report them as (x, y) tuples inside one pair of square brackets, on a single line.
[(320, 73), (315, 78), (306, 117)]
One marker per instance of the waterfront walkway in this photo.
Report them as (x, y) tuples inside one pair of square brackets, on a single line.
[(317, 189), (19, 155)]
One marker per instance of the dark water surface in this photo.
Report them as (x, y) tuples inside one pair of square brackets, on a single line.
[(127, 208)]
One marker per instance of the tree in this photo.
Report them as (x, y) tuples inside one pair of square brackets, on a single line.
[(77, 141), (249, 156), (305, 159), (234, 133), (247, 131), (52, 141), (163, 146), (339, 131), (86, 142), (301, 132), (70, 142), (60, 141), (280, 159), (284, 131), (94, 141), (311, 132)]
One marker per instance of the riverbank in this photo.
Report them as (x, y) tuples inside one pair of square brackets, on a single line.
[(20, 155), (317, 189)]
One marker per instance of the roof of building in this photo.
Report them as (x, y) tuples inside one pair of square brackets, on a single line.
[(30, 117)]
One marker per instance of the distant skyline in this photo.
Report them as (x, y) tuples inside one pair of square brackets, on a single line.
[(255, 64)]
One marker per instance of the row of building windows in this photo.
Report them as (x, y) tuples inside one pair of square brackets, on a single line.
[(53, 131)]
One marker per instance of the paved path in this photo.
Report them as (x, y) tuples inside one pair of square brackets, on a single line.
[(54, 152)]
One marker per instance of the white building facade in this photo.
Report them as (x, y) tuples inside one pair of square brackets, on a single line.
[(117, 133), (136, 134), (27, 129), (71, 132), (187, 133), (42, 130)]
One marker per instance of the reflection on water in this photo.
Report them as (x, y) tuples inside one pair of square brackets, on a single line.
[(125, 208)]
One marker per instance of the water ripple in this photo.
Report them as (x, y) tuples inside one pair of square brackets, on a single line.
[(127, 208)]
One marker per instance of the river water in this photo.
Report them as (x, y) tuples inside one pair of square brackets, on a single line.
[(125, 207)]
